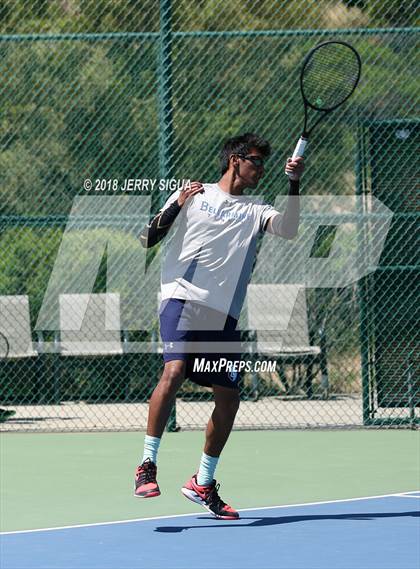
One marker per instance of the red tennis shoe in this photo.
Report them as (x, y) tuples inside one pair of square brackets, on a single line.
[(146, 485), (208, 497)]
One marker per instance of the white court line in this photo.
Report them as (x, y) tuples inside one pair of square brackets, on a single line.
[(408, 495), (203, 514)]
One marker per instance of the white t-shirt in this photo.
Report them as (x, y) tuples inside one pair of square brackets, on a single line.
[(210, 249)]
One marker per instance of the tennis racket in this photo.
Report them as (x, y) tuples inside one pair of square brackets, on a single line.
[(4, 346), (330, 73)]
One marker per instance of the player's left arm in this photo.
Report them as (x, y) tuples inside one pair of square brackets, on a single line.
[(161, 223), (286, 225)]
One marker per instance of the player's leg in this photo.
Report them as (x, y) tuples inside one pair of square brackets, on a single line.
[(160, 405), (204, 490), (220, 424), (218, 430), (175, 333), (163, 397)]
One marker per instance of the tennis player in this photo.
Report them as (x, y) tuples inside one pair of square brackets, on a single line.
[(205, 273)]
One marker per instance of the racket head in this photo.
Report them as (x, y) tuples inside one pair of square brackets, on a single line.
[(330, 73)]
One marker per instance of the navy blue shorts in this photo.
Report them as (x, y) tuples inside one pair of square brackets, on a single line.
[(205, 339)]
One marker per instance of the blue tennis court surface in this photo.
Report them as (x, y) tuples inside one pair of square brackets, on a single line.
[(365, 533)]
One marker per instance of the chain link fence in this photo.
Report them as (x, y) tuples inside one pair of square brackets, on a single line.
[(97, 93)]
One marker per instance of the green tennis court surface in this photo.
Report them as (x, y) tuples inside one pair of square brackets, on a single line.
[(51, 480)]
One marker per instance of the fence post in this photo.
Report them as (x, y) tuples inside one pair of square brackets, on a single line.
[(165, 92), (363, 284), (166, 118)]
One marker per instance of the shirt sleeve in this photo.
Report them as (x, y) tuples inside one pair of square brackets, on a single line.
[(267, 211), (170, 200), (160, 224)]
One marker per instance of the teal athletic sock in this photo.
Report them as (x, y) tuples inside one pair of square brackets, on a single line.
[(206, 470), (151, 447)]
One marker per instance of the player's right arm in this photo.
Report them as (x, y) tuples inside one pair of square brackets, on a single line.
[(159, 226)]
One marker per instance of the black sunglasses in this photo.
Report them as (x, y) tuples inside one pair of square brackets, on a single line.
[(256, 160)]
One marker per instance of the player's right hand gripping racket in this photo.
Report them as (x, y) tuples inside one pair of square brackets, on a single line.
[(330, 74)]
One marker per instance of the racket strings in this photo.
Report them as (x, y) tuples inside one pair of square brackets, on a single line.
[(330, 75)]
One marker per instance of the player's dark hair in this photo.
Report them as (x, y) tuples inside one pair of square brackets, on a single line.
[(242, 144)]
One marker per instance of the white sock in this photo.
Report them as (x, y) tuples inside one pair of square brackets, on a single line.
[(151, 447), (206, 470)]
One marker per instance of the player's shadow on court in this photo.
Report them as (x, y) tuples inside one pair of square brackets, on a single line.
[(280, 520)]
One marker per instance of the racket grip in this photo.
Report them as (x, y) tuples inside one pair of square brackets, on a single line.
[(300, 147)]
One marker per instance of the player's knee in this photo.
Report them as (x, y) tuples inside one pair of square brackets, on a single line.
[(229, 405), (235, 404), (172, 379)]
